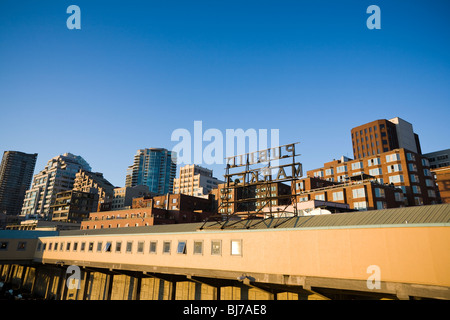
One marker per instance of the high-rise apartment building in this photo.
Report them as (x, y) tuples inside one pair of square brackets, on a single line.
[(94, 182), (195, 180), (58, 175), (384, 135), (16, 172), (153, 167)]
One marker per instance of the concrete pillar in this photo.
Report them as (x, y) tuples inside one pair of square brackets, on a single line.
[(109, 286), (173, 290), (137, 288), (85, 283)]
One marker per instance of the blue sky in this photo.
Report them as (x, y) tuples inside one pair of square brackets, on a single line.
[(138, 70)]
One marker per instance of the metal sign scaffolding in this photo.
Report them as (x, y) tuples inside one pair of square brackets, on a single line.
[(263, 169)]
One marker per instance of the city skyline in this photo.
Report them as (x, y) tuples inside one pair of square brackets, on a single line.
[(134, 74)]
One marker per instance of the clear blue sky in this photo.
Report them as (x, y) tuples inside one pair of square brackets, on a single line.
[(137, 70)]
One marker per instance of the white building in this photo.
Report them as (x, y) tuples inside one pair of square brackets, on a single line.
[(58, 175), (195, 180)]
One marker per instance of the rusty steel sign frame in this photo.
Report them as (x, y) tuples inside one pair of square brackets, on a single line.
[(266, 174)]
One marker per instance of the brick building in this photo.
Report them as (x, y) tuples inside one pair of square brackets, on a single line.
[(145, 211), (402, 168)]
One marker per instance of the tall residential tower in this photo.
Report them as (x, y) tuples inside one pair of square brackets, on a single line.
[(16, 172), (58, 175), (153, 167)]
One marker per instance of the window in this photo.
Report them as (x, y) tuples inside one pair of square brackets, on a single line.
[(359, 193), (129, 246), (418, 201), (198, 247), (153, 246), (360, 205), (379, 193), (320, 197), (91, 246), (373, 162), (181, 247), (396, 179), (375, 172), (338, 195), (410, 156), (236, 247), (118, 246), (140, 248), (381, 205), (318, 174), (99, 246), (416, 189), (357, 165), (394, 168), (166, 247), (431, 194), (22, 245), (328, 172), (83, 246), (68, 246), (412, 167), (341, 169), (392, 157), (429, 182), (399, 196), (107, 247), (216, 247), (75, 246), (61, 247), (426, 172), (414, 178)]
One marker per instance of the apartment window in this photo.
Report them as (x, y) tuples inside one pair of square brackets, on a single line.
[(83, 246), (22, 245), (329, 172), (318, 174), (392, 157), (129, 247), (394, 168), (75, 246), (118, 246), (198, 247), (373, 162), (99, 246), (416, 189), (338, 195), (425, 162), (426, 172), (414, 178), (429, 183), (379, 193), (410, 156), (399, 196), (216, 247), (431, 194), (301, 199), (412, 167), (91, 246), (236, 247), (153, 246), (166, 247), (375, 172), (320, 197), (359, 193), (140, 247), (60, 248), (418, 201), (381, 205), (396, 178), (362, 205), (341, 169), (357, 165)]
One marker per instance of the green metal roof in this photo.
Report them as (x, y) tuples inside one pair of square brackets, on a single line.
[(421, 215)]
